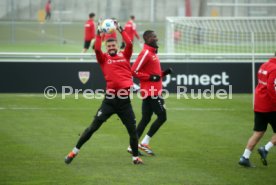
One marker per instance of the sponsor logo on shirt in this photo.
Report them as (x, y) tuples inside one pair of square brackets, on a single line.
[(115, 61)]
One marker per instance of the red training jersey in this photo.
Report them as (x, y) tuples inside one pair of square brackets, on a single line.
[(130, 28), (146, 64), (116, 69), (89, 30), (106, 36), (265, 92), (48, 7)]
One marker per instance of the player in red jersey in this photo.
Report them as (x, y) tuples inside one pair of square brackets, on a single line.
[(48, 10), (130, 29), (147, 69), (265, 112), (89, 32), (117, 73)]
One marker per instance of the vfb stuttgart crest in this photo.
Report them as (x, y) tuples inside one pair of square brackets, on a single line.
[(84, 76)]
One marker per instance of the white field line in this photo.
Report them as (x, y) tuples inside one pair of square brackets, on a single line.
[(61, 108), (198, 109)]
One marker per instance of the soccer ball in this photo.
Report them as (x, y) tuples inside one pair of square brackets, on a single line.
[(108, 26)]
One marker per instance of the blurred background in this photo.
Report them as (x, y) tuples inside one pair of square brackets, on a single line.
[(22, 22)]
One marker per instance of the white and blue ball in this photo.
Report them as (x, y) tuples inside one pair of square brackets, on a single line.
[(108, 26)]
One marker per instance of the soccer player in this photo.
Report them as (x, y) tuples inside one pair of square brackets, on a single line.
[(130, 28), (147, 69), (48, 10), (117, 73), (89, 32), (265, 112)]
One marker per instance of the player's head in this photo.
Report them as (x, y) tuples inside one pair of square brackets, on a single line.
[(132, 17), (111, 46), (91, 15), (150, 38)]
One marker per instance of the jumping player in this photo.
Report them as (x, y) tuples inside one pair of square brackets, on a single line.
[(117, 73)]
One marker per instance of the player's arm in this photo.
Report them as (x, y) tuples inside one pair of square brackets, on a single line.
[(271, 86), (93, 30), (138, 65), (135, 31), (129, 46), (167, 72), (98, 46), (93, 34), (136, 34)]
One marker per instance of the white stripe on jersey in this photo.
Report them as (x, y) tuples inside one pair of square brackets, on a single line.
[(141, 61)]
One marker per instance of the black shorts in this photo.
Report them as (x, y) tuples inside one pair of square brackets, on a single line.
[(120, 106), (153, 104), (262, 119), (87, 44)]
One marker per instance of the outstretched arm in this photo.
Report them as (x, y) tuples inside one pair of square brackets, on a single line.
[(98, 45), (129, 46)]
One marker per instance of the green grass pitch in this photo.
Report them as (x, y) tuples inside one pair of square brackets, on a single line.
[(200, 144)]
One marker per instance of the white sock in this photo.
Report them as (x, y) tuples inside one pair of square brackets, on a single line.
[(268, 146), (75, 150), (134, 158), (246, 153), (146, 140)]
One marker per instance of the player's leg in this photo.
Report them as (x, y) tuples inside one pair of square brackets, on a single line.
[(146, 116), (104, 112), (260, 126), (126, 114), (86, 46), (263, 151), (157, 105)]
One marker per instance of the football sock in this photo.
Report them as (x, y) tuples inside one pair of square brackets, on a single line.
[(134, 158), (268, 146), (75, 150), (246, 153), (146, 140)]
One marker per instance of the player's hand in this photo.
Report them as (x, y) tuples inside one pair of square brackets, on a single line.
[(118, 26), (168, 71), (99, 28), (154, 78)]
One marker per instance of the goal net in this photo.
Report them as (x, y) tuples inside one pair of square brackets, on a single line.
[(220, 35)]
